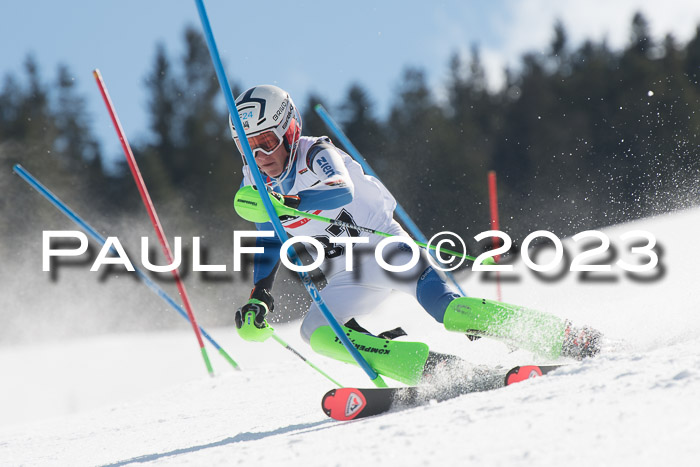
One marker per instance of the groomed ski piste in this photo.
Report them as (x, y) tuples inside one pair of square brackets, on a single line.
[(145, 398)]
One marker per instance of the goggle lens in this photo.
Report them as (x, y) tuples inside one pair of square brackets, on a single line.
[(266, 142)]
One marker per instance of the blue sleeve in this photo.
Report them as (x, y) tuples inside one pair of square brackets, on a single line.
[(325, 199), (266, 264)]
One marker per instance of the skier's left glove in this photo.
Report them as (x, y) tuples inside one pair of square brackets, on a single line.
[(250, 318)]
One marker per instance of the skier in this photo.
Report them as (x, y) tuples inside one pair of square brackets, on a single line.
[(311, 174)]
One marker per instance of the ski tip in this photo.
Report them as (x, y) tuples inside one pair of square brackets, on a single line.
[(521, 373), (343, 403)]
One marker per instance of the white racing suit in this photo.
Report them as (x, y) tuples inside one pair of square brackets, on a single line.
[(331, 184)]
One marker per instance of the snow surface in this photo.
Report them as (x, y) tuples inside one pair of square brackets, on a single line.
[(145, 398)]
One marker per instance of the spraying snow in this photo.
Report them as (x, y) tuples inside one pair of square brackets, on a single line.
[(144, 398)]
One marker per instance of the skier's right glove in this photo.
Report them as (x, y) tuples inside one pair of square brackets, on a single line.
[(250, 318), (291, 201), (288, 200)]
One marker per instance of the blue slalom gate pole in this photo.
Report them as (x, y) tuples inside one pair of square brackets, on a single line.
[(34, 183), (260, 183), (352, 150)]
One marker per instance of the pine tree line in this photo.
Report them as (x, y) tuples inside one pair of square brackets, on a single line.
[(580, 138)]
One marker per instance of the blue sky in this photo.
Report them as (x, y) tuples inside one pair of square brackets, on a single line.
[(303, 46)]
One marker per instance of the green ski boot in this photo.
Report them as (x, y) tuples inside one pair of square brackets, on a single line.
[(528, 329)]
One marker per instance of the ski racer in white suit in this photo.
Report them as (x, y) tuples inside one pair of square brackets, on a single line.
[(315, 176), (311, 174)]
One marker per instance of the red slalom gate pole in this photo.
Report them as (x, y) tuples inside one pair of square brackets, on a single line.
[(152, 214), (493, 203)]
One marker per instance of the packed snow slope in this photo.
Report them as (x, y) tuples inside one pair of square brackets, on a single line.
[(146, 399)]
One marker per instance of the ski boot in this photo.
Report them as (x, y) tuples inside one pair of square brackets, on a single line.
[(580, 343), (446, 376)]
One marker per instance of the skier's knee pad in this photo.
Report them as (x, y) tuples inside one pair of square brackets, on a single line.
[(434, 294)]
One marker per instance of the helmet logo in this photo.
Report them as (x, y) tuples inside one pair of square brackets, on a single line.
[(277, 114), (289, 115), (248, 97)]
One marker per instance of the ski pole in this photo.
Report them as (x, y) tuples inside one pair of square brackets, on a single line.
[(279, 340), (276, 224), (400, 211), (247, 205), (61, 206), (146, 198)]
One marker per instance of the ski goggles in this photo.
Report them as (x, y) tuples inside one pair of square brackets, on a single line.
[(267, 142)]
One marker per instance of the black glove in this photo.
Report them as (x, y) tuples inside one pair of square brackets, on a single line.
[(291, 201), (261, 303)]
